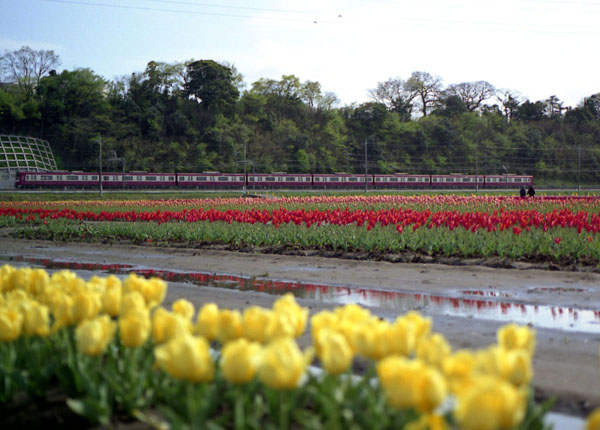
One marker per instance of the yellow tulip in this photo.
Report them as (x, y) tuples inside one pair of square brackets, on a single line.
[(132, 301), (459, 369), (283, 364), (322, 320), (411, 383), (402, 337), (112, 297), (61, 306), (490, 404), (240, 359), (86, 305), (185, 308), (512, 365), (36, 318), (207, 321), (429, 421), (259, 324), (11, 324), (512, 336), (6, 274), (229, 325), (134, 328), (334, 351), (153, 289), (186, 357), (94, 335), (421, 325), (167, 325), (433, 350), (593, 420), (354, 313), (372, 339), (297, 315)]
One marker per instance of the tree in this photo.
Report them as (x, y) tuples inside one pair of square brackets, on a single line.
[(395, 94), (554, 106), (426, 87), (212, 85), (510, 101), (472, 94), (529, 111), (25, 67)]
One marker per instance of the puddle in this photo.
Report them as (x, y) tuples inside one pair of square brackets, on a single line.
[(487, 305), (556, 290)]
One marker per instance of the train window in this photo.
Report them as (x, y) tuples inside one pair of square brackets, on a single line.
[(270, 178), (201, 178), (317, 179), (46, 177), (292, 179), (128, 178), (72, 177), (223, 179), (393, 179), (171, 178), (332, 179), (150, 178), (352, 179), (411, 179)]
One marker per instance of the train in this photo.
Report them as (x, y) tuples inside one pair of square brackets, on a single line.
[(262, 181)]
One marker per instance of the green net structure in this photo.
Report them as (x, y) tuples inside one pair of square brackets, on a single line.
[(22, 153)]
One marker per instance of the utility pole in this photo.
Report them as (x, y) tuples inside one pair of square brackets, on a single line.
[(366, 167), (578, 167), (100, 159), (476, 167), (245, 177)]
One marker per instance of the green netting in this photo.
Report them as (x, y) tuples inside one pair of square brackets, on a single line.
[(25, 154)]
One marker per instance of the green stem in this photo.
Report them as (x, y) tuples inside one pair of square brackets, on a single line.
[(240, 408), (284, 410)]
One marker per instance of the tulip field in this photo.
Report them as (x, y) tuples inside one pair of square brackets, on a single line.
[(563, 230), (113, 350)]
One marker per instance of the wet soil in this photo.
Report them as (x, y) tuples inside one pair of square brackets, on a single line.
[(566, 362)]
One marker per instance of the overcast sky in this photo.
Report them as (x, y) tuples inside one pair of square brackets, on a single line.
[(536, 47)]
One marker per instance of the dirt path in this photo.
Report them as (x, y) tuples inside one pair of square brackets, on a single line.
[(566, 363)]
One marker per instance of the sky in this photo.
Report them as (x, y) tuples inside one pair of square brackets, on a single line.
[(536, 48)]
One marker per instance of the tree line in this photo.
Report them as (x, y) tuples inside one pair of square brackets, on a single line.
[(200, 115)]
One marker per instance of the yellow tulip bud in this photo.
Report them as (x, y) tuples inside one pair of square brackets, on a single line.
[(229, 325), (186, 357), (334, 351), (133, 301), (297, 316), (512, 336), (185, 308), (36, 319), (153, 289), (490, 404), (411, 383), (402, 337), (433, 350), (593, 420), (422, 326), (166, 325), (459, 368), (11, 324), (207, 321), (259, 324), (322, 320), (94, 335), (134, 328), (372, 339), (112, 297), (283, 364), (240, 360), (86, 305)]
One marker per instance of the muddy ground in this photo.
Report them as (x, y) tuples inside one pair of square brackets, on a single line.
[(566, 362)]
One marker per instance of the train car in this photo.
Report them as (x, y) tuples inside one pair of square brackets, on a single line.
[(279, 180), (402, 180), (57, 179), (211, 180), (148, 180), (341, 180), (457, 180), (508, 181)]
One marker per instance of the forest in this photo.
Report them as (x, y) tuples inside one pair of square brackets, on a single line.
[(200, 115)]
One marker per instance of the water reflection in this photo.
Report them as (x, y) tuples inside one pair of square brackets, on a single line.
[(494, 308)]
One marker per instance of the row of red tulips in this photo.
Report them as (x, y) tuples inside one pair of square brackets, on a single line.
[(501, 219)]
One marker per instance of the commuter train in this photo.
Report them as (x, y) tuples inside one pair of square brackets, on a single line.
[(258, 181)]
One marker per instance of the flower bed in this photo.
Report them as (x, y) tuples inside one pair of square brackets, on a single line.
[(112, 348), (563, 230)]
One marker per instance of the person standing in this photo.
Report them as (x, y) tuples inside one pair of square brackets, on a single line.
[(531, 191)]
